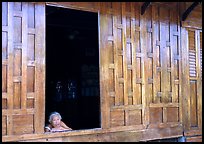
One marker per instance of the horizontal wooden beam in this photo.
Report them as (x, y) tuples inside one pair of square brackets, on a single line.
[(100, 135), (189, 10)]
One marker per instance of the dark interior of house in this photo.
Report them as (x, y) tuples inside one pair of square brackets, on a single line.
[(72, 67)]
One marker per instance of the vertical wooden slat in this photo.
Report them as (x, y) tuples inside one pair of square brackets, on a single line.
[(185, 79), (143, 35), (173, 53), (133, 53), (124, 55), (199, 83), (138, 64), (115, 54), (24, 54), (10, 68), (103, 31), (179, 40), (39, 118), (155, 38), (163, 55)]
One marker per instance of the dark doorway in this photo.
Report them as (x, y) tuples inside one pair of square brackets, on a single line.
[(72, 67)]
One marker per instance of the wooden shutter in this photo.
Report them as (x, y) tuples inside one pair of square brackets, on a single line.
[(23, 67), (195, 73), (192, 81)]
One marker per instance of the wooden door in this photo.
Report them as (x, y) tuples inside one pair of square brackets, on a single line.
[(23, 67)]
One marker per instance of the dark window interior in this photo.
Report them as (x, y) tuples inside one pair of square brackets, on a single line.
[(72, 67)]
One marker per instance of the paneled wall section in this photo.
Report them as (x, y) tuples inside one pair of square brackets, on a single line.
[(21, 64)]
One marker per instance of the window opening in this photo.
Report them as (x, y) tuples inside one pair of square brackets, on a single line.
[(72, 67)]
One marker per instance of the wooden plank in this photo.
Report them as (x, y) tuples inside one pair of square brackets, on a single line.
[(103, 135), (163, 54), (199, 81), (173, 49), (103, 30), (185, 79), (133, 42), (156, 62), (24, 55), (116, 84), (10, 69), (179, 40), (164, 105), (124, 55), (148, 56), (143, 35), (193, 132), (39, 117)]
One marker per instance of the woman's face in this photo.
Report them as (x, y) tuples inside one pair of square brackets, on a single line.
[(55, 121)]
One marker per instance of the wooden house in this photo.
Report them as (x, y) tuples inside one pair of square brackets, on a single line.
[(150, 71)]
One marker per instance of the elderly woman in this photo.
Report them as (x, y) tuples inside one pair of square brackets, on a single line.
[(56, 125)]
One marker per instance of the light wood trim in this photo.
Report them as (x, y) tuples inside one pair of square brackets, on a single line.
[(39, 117)]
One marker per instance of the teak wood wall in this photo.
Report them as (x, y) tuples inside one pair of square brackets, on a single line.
[(150, 72)]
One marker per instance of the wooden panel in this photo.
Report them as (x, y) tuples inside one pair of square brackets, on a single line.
[(15, 58), (155, 115), (30, 79), (30, 103), (193, 104), (134, 117), (4, 14), (117, 118), (4, 45), (4, 78), (22, 124), (17, 96), (140, 63), (31, 47), (31, 16), (17, 62), (4, 125), (172, 114), (4, 103), (17, 29)]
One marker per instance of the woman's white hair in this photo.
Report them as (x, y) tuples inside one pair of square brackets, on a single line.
[(54, 114)]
